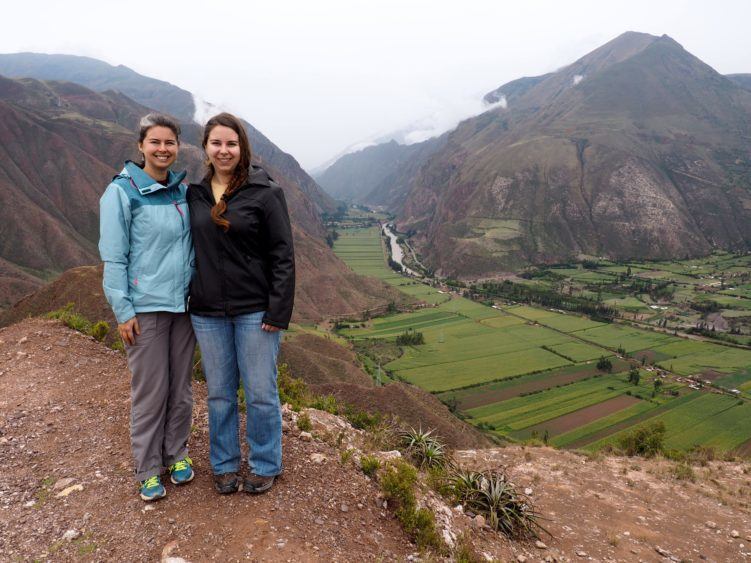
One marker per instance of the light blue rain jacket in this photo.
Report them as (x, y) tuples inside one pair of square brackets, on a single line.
[(145, 244)]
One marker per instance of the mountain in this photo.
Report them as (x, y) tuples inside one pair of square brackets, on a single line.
[(61, 143), (378, 175), (637, 149), (514, 89), (157, 94), (742, 80)]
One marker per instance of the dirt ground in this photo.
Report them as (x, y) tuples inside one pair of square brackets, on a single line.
[(64, 415), (67, 493)]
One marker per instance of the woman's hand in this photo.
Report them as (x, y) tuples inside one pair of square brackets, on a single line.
[(129, 330), (270, 328)]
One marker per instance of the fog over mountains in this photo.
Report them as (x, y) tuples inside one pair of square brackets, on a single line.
[(636, 150)]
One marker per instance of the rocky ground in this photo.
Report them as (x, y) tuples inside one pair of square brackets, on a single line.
[(66, 488)]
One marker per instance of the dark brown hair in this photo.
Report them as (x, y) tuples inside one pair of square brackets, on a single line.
[(240, 174)]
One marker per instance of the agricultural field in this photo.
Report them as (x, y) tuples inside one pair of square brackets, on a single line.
[(705, 419), (521, 371), (363, 250)]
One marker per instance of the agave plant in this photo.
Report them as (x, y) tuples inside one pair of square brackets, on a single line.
[(424, 449), (491, 494), (464, 482)]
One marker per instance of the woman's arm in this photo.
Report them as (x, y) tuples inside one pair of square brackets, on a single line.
[(281, 258), (114, 249)]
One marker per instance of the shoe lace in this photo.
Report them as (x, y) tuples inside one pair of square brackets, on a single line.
[(181, 465), (151, 482)]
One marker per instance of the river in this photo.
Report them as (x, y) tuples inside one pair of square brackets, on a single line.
[(396, 251)]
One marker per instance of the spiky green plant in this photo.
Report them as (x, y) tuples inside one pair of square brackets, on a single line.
[(423, 448), (491, 494)]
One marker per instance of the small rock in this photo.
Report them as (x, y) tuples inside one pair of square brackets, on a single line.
[(23, 340), (70, 535), (388, 456), (344, 508), (286, 426), (319, 521), (317, 458), (174, 560), (306, 436), (662, 552), (29, 504), (459, 508), (521, 559), (68, 490), (360, 505), (62, 483), (581, 553), (148, 508), (540, 545), (735, 534), (528, 491), (711, 525), (479, 521)]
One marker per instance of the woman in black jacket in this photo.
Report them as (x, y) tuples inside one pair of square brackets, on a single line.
[(241, 298)]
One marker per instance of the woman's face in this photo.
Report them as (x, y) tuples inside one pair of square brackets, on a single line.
[(223, 149), (159, 149)]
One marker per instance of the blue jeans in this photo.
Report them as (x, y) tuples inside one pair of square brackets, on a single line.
[(234, 349)]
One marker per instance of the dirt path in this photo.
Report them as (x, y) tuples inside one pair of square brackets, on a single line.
[(64, 415)]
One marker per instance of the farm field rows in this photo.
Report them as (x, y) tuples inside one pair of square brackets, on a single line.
[(521, 371)]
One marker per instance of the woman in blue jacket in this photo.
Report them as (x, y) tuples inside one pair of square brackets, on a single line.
[(146, 247)]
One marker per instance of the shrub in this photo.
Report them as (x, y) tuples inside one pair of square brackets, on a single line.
[(291, 390), (646, 441), (397, 483), (361, 419), (410, 338), (327, 403), (100, 330), (370, 465), (604, 364), (303, 422), (683, 472)]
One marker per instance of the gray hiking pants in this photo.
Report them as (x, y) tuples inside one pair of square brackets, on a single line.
[(161, 397)]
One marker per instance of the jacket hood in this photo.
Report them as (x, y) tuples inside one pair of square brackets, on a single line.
[(144, 183)]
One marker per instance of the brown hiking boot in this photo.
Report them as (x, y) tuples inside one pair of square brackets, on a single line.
[(255, 484), (226, 483)]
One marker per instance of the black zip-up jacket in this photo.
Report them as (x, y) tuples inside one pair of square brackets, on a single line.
[(251, 267)]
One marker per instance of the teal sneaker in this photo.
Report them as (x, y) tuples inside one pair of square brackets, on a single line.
[(181, 471), (152, 489)]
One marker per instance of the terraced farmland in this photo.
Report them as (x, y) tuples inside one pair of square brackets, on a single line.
[(522, 371)]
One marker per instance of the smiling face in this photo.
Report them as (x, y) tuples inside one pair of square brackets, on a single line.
[(159, 148), (223, 149)]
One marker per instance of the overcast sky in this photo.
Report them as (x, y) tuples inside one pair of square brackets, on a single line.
[(319, 76)]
